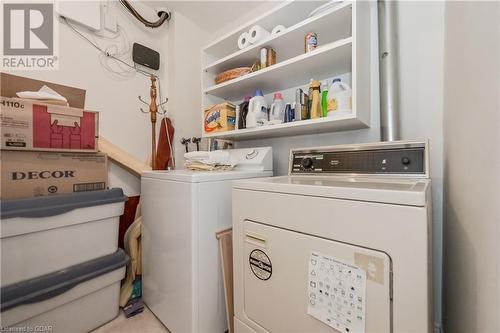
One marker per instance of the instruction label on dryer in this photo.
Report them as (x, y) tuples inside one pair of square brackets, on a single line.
[(336, 293)]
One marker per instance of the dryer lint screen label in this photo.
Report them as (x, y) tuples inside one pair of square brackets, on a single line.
[(336, 293)]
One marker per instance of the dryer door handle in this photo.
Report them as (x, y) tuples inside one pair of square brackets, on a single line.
[(255, 239)]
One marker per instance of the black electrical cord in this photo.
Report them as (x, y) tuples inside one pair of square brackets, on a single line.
[(164, 16)]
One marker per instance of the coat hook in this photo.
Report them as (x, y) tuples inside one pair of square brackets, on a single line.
[(140, 99), (153, 111)]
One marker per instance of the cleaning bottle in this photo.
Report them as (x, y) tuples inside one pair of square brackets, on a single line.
[(309, 101), (276, 114), (324, 99), (301, 105), (288, 114), (315, 99), (339, 98), (257, 110), (243, 113)]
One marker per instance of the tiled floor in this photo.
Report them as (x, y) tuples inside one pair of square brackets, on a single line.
[(145, 322)]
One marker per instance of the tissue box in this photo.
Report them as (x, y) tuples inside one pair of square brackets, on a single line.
[(32, 125), (220, 118), (31, 174)]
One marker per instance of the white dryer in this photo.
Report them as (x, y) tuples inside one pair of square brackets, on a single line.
[(342, 244), (182, 210)]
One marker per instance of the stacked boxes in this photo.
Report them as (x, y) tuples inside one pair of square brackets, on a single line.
[(49, 149), (59, 241)]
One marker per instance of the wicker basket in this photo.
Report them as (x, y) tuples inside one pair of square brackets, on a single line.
[(232, 74)]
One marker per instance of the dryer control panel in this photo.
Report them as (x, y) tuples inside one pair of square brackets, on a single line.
[(393, 158)]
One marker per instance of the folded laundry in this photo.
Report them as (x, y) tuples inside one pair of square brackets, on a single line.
[(209, 160), (199, 166), (210, 157)]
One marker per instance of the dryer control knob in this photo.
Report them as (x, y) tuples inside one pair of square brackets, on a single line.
[(307, 162), (405, 161)]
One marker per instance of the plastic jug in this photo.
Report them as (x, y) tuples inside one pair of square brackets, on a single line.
[(339, 98), (276, 115), (257, 110)]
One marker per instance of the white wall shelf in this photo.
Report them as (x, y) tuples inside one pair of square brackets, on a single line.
[(320, 125), (332, 25), (322, 63), (286, 13), (344, 50)]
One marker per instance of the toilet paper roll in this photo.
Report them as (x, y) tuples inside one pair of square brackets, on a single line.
[(277, 29), (243, 40), (257, 33)]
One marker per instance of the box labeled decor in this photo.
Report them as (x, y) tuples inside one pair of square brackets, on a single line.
[(220, 118), (31, 174), (32, 125)]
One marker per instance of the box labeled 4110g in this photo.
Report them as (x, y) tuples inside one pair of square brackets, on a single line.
[(31, 174), (32, 125)]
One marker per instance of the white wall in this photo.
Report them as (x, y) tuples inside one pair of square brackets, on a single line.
[(421, 60), (184, 80), (114, 97), (421, 34), (190, 29), (472, 165)]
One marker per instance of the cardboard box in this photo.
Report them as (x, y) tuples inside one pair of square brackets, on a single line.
[(12, 84), (31, 125), (28, 174), (220, 118)]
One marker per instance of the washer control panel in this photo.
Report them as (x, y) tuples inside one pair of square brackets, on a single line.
[(384, 158)]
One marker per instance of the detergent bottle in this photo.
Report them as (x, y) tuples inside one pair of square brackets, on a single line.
[(276, 114), (257, 110), (339, 98)]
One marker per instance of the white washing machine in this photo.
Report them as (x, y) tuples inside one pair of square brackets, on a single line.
[(342, 244), (182, 210)]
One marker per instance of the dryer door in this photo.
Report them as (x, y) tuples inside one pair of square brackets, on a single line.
[(302, 283)]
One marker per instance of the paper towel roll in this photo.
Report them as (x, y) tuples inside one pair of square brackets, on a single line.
[(277, 29), (243, 40), (257, 33)]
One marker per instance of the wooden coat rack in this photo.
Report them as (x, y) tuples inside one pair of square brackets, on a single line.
[(153, 111)]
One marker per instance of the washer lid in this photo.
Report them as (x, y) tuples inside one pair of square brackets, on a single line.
[(248, 163), (204, 176), (404, 191)]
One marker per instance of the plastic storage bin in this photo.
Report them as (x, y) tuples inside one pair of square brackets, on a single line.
[(45, 234), (76, 299)]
